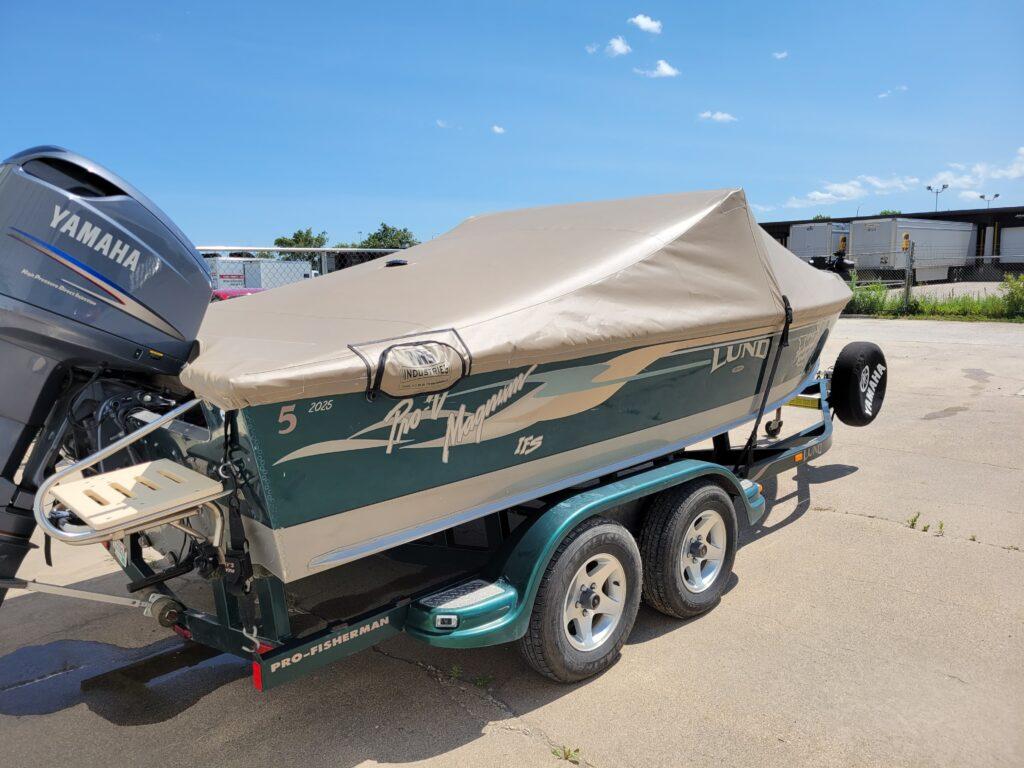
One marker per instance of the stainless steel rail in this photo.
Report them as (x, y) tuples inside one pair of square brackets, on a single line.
[(85, 535)]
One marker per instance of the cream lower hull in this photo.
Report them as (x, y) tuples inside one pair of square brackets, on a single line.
[(301, 550)]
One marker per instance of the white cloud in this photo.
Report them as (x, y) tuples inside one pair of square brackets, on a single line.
[(441, 123), (1014, 170), (967, 179), (617, 46), (854, 189), (892, 184), (662, 69), (891, 91), (718, 117), (780, 55), (762, 208), (497, 129), (646, 23), (591, 47), (970, 178)]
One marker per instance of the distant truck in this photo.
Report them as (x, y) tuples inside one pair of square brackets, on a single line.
[(240, 272), (818, 239), (942, 249)]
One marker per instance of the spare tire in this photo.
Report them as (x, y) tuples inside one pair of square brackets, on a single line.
[(858, 383)]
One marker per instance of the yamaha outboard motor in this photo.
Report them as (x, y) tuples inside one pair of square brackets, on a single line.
[(101, 297)]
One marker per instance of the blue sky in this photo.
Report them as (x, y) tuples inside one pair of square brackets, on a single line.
[(245, 121)]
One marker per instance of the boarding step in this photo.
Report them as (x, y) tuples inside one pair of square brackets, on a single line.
[(125, 498), (462, 606)]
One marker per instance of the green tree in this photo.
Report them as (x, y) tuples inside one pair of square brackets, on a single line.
[(387, 236), (301, 238), (821, 217), (889, 212)]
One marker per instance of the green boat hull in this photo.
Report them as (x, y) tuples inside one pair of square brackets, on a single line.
[(343, 477)]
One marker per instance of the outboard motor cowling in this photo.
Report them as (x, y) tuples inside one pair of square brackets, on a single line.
[(93, 277)]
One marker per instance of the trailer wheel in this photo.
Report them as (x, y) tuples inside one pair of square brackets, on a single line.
[(586, 603), (688, 544), (859, 378)]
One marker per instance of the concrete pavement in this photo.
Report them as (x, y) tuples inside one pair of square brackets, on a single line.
[(847, 638)]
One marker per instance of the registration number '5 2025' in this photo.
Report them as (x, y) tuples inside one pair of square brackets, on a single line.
[(289, 420)]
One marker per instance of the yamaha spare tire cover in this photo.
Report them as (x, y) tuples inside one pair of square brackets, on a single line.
[(858, 383)]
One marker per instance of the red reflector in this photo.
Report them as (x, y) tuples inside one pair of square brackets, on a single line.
[(263, 648), (182, 631), (257, 676)]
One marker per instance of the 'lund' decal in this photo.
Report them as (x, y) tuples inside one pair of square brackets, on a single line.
[(735, 352)]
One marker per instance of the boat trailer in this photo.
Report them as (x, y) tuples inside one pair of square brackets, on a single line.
[(490, 607)]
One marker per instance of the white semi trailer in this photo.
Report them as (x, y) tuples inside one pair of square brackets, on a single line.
[(1011, 246), (882, 246), (818, 238), (242, 272)]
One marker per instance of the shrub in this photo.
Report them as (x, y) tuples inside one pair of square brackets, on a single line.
[(1012, 293)]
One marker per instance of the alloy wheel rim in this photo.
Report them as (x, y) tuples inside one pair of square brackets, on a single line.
[(703, 551), (594, 602)]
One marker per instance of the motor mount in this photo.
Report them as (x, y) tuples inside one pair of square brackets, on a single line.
[(94, 280)]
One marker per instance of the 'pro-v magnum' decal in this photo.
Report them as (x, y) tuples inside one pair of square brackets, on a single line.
[(514, 405)]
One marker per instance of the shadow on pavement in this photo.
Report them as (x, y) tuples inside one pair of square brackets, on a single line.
[(806, 476)]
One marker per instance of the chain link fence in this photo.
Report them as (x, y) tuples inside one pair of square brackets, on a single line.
[(923, 279), (238, 270)]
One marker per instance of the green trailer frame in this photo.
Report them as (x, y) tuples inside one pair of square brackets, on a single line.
[(473, 612)]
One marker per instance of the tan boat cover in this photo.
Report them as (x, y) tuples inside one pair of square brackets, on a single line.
[(507, 290)]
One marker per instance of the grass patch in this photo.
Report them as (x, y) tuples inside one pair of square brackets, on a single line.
[(569, 754), (877, 299)]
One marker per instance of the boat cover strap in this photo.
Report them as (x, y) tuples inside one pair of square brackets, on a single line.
[(747, 452)]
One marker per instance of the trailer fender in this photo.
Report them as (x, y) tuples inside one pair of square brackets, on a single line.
[(526, 562)]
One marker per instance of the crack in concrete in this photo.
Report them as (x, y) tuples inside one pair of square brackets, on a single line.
[(955, 459), (529, 729), (902, 524)]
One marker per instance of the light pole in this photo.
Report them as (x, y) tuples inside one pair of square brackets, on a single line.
[(937, 190), (988, 199)]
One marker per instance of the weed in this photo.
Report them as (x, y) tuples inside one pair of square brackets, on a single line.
[(924, 528), (912, 521), (877, 299), (1012, 291), (456, 672), (972, 537), (569, 754), (483, 681), (942, 528)]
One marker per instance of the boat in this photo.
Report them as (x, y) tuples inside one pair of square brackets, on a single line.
[(544, 373), (519, 353)]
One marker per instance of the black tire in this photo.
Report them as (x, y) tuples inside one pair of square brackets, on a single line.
[(546, 646), (773, 428), (662, 544), (858, 386)]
